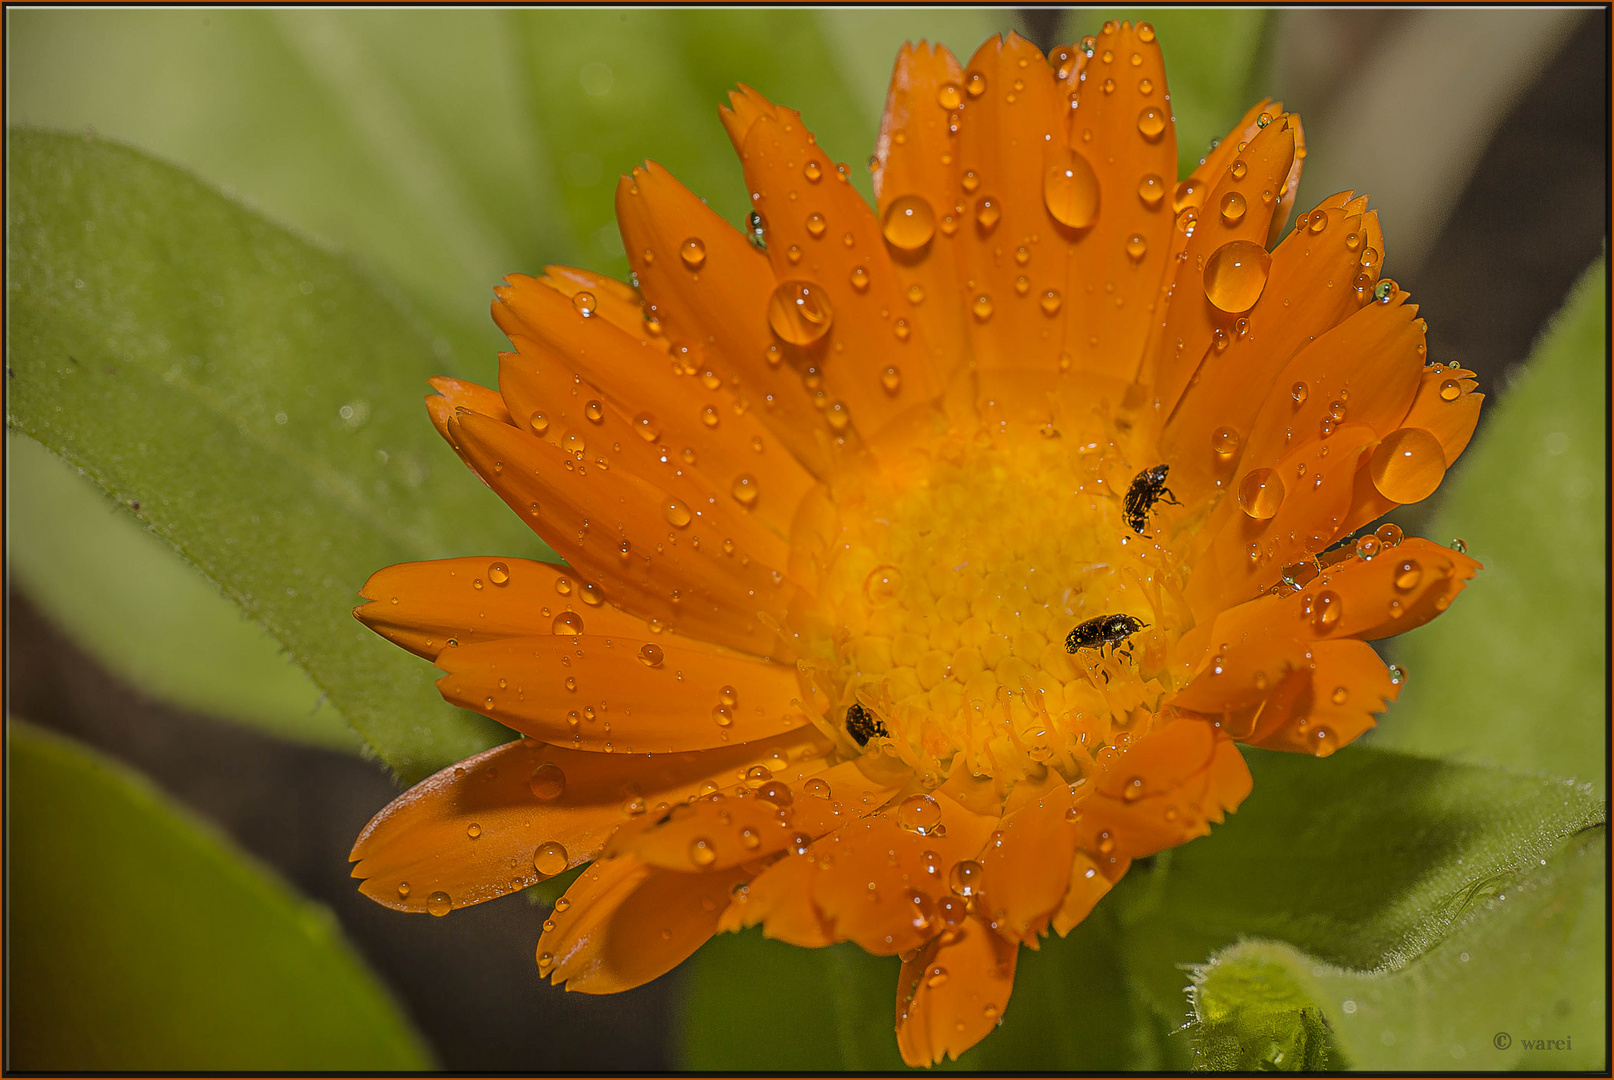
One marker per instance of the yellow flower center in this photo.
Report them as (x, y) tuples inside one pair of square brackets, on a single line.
[(952, 576)]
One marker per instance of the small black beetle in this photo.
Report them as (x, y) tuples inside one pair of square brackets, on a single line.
[(1105, 630), (1148, 488), (862, 725)]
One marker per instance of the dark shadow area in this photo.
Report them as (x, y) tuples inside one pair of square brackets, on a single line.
[(468, 981)]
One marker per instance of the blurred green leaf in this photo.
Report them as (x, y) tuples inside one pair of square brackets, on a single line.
[(1215, 65), (141, 941), (258, 400), (401, 136), (1517, 984), (1514, 674), (150, 618)]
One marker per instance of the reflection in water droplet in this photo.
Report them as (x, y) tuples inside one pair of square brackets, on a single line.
[(650, 655), (585, 303), (909, 223), (1236, 275), (1299, 392), (547, 782), (1261, 494), (1408, 465), (965, 877), (918, 813), (1070, 191), (1367, 547), (799, 312)]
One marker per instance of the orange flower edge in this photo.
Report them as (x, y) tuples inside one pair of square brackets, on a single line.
[(926, 563)]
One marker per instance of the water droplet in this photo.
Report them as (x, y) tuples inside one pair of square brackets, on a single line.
[(1233, 208), (749, 839), (975, 84), (651, 655), (965, 877), (539, 424), (1188, 195), (1458, 545), (1109, 85), (1050, 302), (1151, 123), (1407, 575), (817, 788), (1384, 291), (813, 171), (982, 307), (1145, 32), (722, 715), (948, 96), (1408, 465), (1325, 608), (909, 223), (1260, 494), (574, 444), (951, 910), (1367, 546), (900, 329), (745, 490), (987, 212), (591, 595), (473, 830), (701, 852), (693, 252), (1398, 675), (970, 180), (1238, 169), (550, 858), (567, 623), (585, 303), (439, 904), (936, 975), (1022, 284), (1236, 275), (1106, 842), (793, 253), (799, 312), (917, 813), (645, 425), (1224, 442), (547, 782), (1450, 390), (403, 890), (757, 229), (860, 279), (1136, 247), (1389, 534), (1299, 392), (1151, 190), (816, 225), (595, 412), (677, 513), (1070, 191), (891, 380), (777, 793), (563, 586)]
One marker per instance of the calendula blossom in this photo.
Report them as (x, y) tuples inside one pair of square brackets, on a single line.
[(925, 565)]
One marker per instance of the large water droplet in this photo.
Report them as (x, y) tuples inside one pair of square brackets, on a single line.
[(1070, 191), (539, 424), (1151, 123), (860, 279), (909, 223), (550, 858), (677, 513), (982, 307), (567, 624), (439, 904), (693, 252), (799, 312), (975, 84), (651, 655), (1236, 274), (813, 171), (547, 782), (645, 425), (817, 788), (1324, 609), (1407, 575), (965, 877), (1451, 390), (948, 96), (745, 490), (1136, 247), (1224, 443), (987, 212), (498, 573), (918, 813), (1188, 194), (1151, 190), (1233, 208), (701, 852), (1050, 302), (1260, 494), (1408, 465)]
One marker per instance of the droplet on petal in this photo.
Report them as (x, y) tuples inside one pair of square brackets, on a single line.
[(693, 252), (799, 312), (1236, 275), (909, 222), (1070, 191), (1408, 465), (1261, 494)]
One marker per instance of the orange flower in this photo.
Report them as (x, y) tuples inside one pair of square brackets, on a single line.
[(877, 626)]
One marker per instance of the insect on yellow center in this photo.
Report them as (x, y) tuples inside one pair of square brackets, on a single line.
[(947, 597)]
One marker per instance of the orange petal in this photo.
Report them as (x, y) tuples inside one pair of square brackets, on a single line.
[(1291, 184), (826, 240), (1245, 673), (1026, 869), (547, 686), (716, 833), (1090, 879), (1237, 208), (1347, 684), (1220, 156), (1163, 792), (781, 898), (1308, 294), (633, 372), (455, 394), (522, 795), (1126, 134), (951, 995), (1399, 590), (718, 308), (915, 158), (421, 605), (1009, 136), (1318, 477), (631, 924), (609, 526)]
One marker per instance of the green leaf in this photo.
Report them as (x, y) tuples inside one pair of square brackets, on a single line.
[(1215, 65), (258, 400), (1514, 673), (401, 136), (142, 941), (1518, 984), (150, 618), (1366, 861)]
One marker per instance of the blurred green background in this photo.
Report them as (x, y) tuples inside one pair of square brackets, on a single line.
[(416, 157)]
